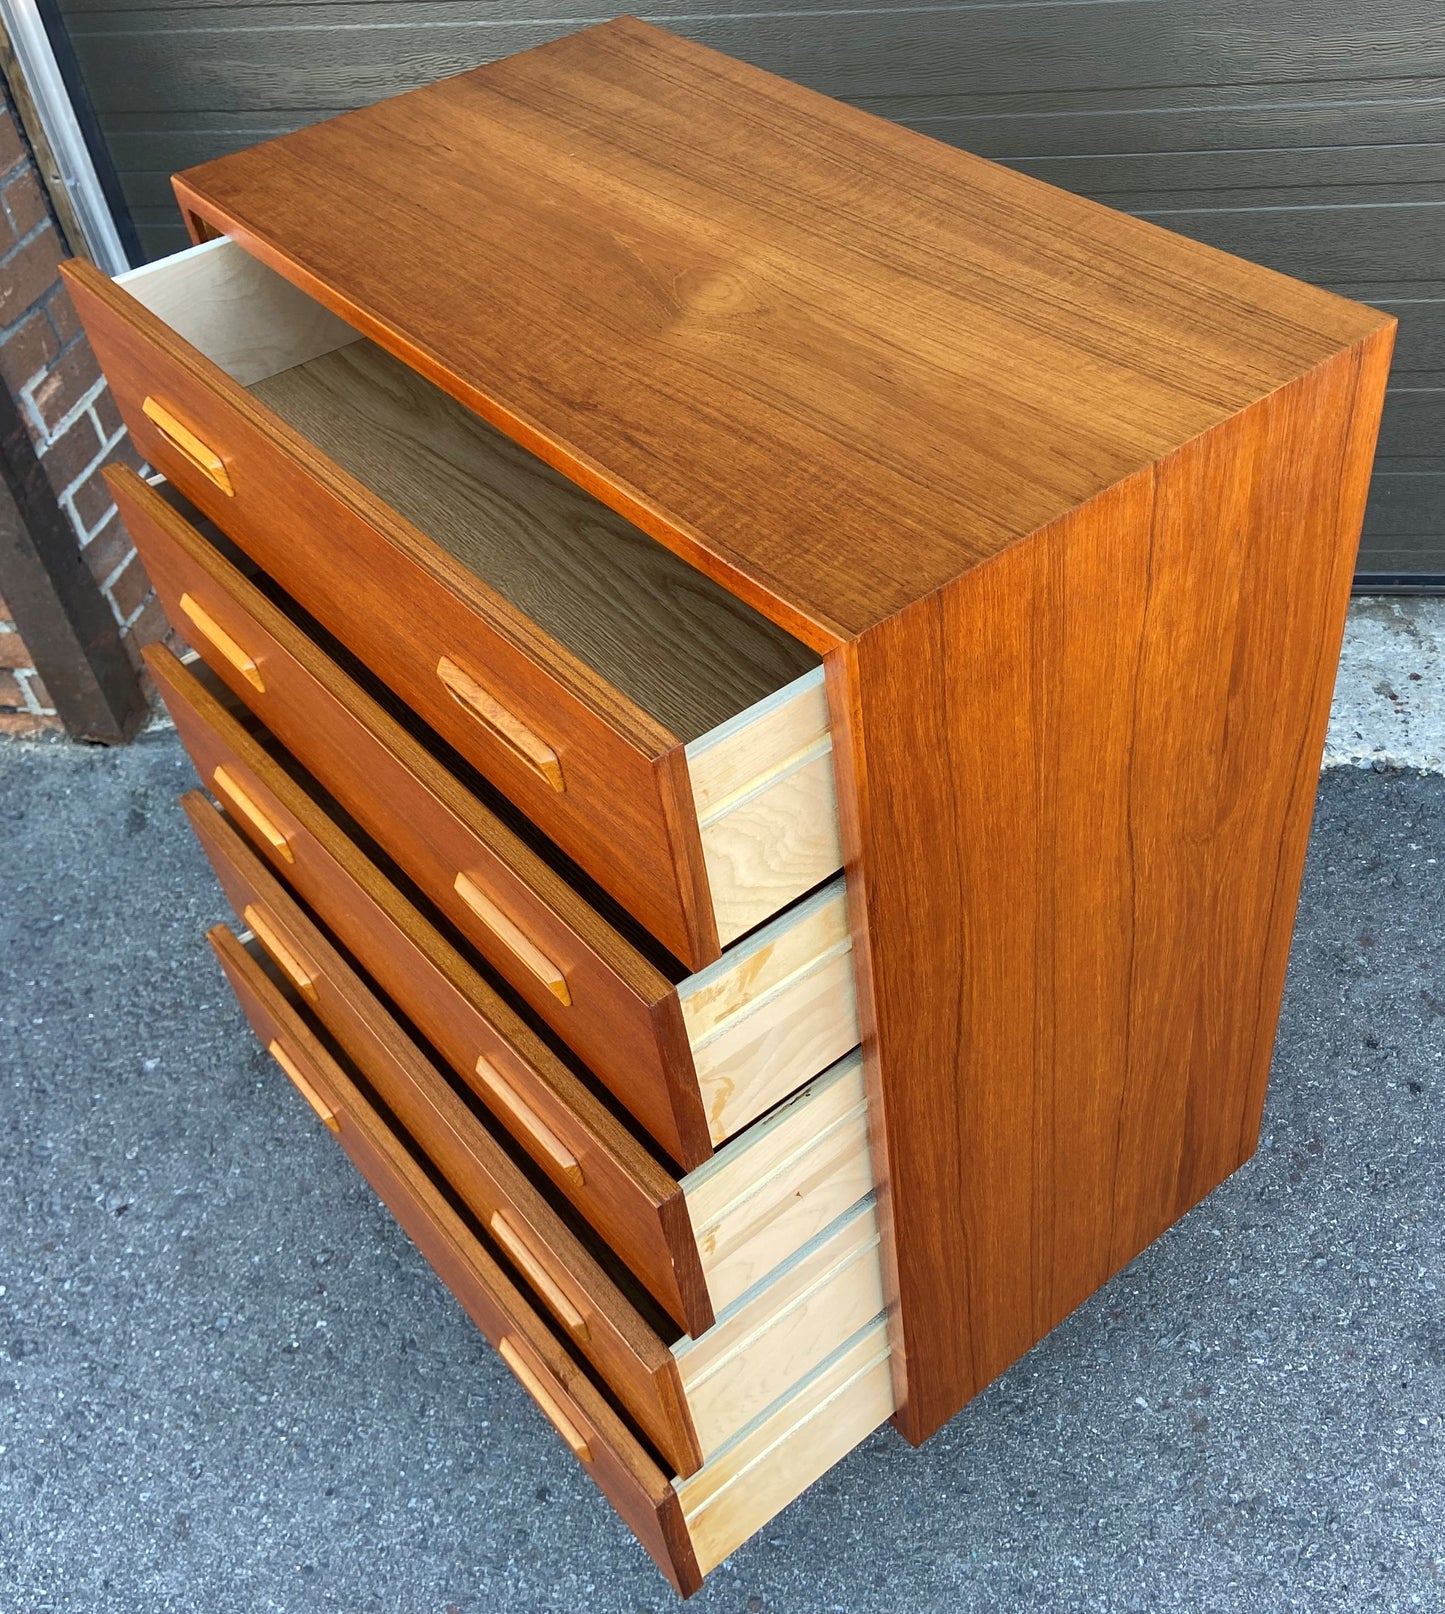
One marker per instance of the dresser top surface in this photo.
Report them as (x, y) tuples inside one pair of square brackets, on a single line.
[(830, 361)]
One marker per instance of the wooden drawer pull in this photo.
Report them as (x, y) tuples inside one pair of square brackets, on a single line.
[(327, 1115), (530, 1122), (283, 956), (545, 1400), (236, 794), (211, 630), (536, 1274), (513, 939), (510, 730), (185, 442)]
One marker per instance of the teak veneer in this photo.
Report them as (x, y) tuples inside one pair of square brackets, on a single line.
[(693, 1058), (993, 546)]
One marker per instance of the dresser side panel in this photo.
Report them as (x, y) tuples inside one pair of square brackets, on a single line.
[(1082, 780)]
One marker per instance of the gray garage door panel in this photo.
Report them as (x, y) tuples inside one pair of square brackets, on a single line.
[(903, 62), (1308, 135)]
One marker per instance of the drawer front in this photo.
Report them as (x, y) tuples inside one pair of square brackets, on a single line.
[(595, 1163), (585, 1305), (595, 990), (605, 781), (688, 1525), (696, 1245), (689, 1400), (623, 1471)]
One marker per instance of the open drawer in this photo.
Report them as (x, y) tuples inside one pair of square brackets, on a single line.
[(693, 1057), (690, 1241), (695, 1244), (754, 1354), (688, 1523), (668, 737)]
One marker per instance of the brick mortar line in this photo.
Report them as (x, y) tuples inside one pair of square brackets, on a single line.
[(89, 539), (31, 236), (52, 435), (107, 446), (113, 576), (23, 677)]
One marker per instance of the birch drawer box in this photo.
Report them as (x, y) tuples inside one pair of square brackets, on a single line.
[(760, 681)]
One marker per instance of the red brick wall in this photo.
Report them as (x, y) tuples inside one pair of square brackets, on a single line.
[(49, 369), (24, 700)]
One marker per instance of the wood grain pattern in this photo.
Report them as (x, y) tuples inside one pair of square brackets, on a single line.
[(321, 1106), (734, 758), (617, 1461), (233, 309), (625, 1193), (746, 1483), (731, 317), (757, 1062), (762, 967), (199, 620), (770, 1014), (717, 1232), (675, 643), (771, 844), (772, 1011), (604, 1326), (361, 569), (1071, 1003), (777, 1457), (1069, 505), (184, 442), (760, 1199), (478, 702), (277, 831), (774, 1336), (622, 1016), (767, 807), (688, 1399)]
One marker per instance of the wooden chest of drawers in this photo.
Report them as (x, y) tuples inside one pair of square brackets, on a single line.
[(760, 681)]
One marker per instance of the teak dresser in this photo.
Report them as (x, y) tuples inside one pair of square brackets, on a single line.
[(762, 681)]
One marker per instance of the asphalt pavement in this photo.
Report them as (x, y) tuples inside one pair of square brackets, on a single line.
[(227, 1382)]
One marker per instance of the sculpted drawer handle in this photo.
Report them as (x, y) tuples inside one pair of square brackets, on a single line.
[(327, 1115), (221, 641), (229, 786), (545, 1400), (527, 1118), (283, 956), (493, 716), (185, 442), (525, 949), (536, 1274)]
